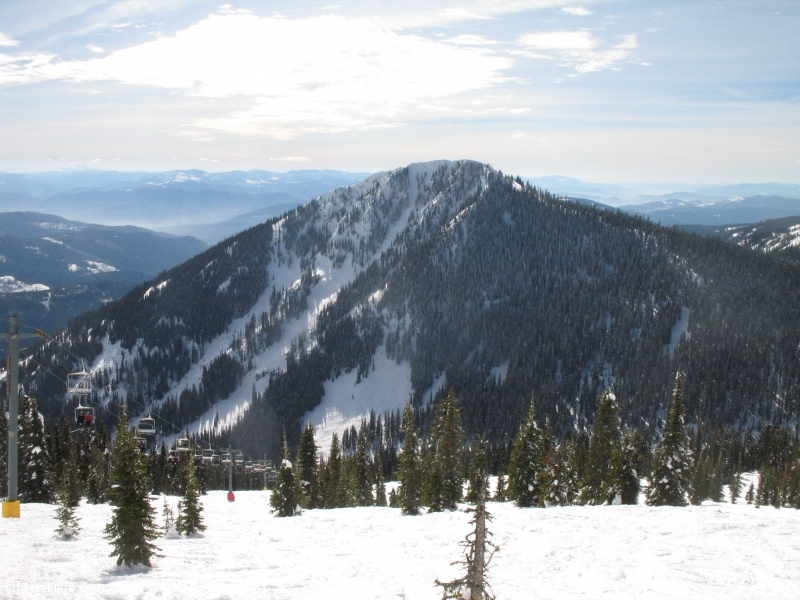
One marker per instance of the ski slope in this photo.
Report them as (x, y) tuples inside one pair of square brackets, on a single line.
[(714, 551)]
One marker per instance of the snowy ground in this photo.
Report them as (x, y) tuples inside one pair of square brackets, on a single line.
[(711, 551)]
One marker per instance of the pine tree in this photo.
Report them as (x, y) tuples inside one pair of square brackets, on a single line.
[(559, 485), (132, 528), (715, 492), (478, 467), (444, 482), (669, 481), (169, 520), (362, 482), (500, 494), (308, 480), (333, 491), (409, 475), (380, 484), (627, 485), (735, 486), (190, 518), (98, 478), (750, 495), (526, 462), (284, 497), (602, 469), (699, 481), (35, 480), (68, 496)]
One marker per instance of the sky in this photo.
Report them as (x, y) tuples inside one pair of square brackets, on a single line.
[(606, 90)]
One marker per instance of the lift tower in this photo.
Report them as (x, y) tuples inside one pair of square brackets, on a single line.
[(11, 504)]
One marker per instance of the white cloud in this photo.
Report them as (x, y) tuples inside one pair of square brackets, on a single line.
[(7, 41), (320, 74), (578, 11), (471, 40), (581, 50), (559, 40), (95, 49)]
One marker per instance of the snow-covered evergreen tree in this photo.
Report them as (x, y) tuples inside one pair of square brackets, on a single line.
[(362, 480), (627, 484), (444, 481), (98, 478), (560, 485), (501, 491), (306, 469), (602, 469), (68, 496), (35, 479), (526, 462), (735, 486), (409, 471), (334, 495), (380, 483), (190, 517), (478, 467), (132, 528), (284, 497), (669, 480)]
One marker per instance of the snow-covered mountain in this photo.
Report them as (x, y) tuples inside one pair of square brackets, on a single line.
[(779, 237), (442, 274)]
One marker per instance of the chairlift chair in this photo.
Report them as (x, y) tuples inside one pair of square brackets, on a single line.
[(226, 459), (84, 415), (260, 466), (79, 383), (146, 426), (141, 444), (208, 455), (183, 445), (248, 466)]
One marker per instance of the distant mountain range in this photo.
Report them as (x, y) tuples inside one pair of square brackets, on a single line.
[(188, 202), (709, 205), (780, 237), (52, 269), (627, 194)]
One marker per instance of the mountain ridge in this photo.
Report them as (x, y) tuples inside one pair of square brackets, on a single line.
[(446, 274)]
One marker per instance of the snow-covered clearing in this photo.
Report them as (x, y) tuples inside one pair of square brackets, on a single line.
[(9, 285), (712, 551), (346, 402)]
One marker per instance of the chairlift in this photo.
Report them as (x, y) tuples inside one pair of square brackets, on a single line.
[(248, 466), (208, 455), (141, 444), (226, 459), (84, 415), (146, 426), (79, 383), (183, 445), (260, 466), (238, 458)]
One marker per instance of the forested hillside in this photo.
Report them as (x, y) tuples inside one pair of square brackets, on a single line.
[(443, 275)]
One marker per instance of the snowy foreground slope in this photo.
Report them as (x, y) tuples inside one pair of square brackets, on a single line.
[(711, 551)]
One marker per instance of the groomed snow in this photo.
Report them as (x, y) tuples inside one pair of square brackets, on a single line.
[(714, 551)]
